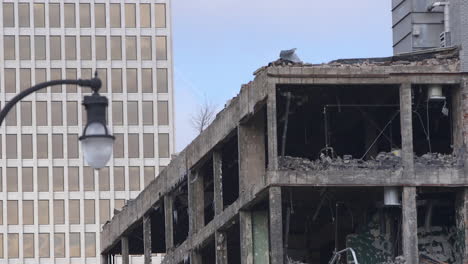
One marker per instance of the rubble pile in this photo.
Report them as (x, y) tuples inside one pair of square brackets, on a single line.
[(439, 160), (383, 160)]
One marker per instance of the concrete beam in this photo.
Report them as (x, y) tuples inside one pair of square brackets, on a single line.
[(218, 181), (147, 243), (276, 226), (221, 248), (245, 223), (410, 225), (406, 120), (125, 250), (169, 221)]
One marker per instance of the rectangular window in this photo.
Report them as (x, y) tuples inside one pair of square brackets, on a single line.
[(163, 113), (119, 146), (133, 146), (1, 246), (85, 47), (59, 212), (25, 79), (148, 145), (73, 179), (11, 147), (59, 245), (134, 178), (39, 15), (1, 215), (145, 43), (117, 113), (27, 179), (23, 14), (74, 211), (56, 113), (104, 211), (57, 174), (70, 47), (119, 179), (115, 15), (71, 74), (72, 141), (26, 146), (41, 113), (147, 80), (43, 179), (57, 146), (101, 51), (44, 245), (148, 113), (55, 48), (26, 113), (10, 80), (100, 15), (88, 179), (130, 15), (9, 47), (161, 48), (130, 48), (90, 244), (85, 16), (160, 15), (40, 47), (116, 80), (162, 84), (54, 15), (149, 175), (28, 212), (145, 15), (75, 249), (119, 204), (69, 15), (43, 212), (132, 83), (40, 76), (104, 181), (102, 73), (163, 145), (12, 212), (89, 215), (42, 146), (132, 112), (116, 48), (13, 246), (28, 245), (72, 113), (8, 15), (12, 179), (10, 119), (56, 74), (25, 47)]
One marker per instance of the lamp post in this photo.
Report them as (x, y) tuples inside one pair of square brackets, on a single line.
[(97, 141)]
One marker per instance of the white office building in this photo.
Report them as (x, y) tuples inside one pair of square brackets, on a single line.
[(52, 205)]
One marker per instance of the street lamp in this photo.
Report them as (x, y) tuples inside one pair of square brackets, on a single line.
[(97, 140)]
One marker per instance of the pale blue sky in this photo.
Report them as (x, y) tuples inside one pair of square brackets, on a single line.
[(218, 44)]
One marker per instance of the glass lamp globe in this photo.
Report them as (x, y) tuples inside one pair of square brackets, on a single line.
[(97, 144)]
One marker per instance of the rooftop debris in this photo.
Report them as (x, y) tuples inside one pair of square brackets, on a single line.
[(290, 55)]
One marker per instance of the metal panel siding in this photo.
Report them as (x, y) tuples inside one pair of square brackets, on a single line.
[(402, 30), (404, 46), (395, 3), (401, 12), (428, 18), (428, 37)]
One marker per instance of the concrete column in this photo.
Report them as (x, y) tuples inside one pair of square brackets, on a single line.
[(147, 247), (125, 250), (252, 153), (461, 219), (272, 128), (196, 202), (406, 120), (410, 226), (276, 226), (221, 248), (169, 221), (218, 181), (245, 219)]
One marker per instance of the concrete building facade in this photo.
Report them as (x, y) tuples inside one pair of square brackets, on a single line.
[(362, 155), (52, 205)]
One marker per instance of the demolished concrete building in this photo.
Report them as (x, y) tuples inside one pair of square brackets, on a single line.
[(358, 159)]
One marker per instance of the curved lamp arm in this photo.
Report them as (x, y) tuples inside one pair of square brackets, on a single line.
[(94, 84)]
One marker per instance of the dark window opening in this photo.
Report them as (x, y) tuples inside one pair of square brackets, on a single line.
[(233, 243), (230, 171), (208, 181), (180, 214), (158, 230), (358, 122), (208, 253)]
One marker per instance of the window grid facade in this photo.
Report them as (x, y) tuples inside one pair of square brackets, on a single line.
[(43, 40)]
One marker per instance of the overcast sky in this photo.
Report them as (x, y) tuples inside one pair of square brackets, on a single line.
[(218, 44)]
